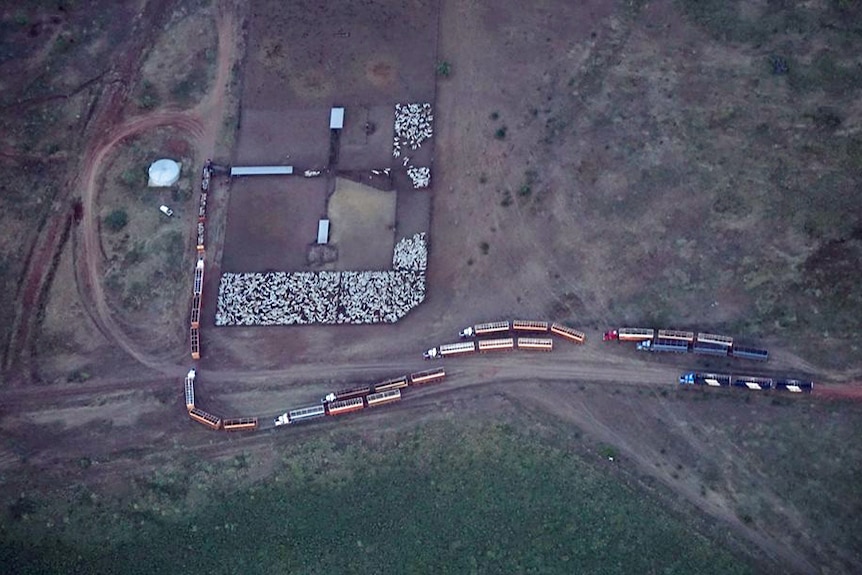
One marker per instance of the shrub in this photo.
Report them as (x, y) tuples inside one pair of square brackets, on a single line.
[(149, 96), (484, 247), (500, 134), (130, 177), (444, 69), (117, 220)]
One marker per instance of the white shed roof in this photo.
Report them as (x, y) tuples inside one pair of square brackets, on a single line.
[(336, 118), (323, 232), (261, 170)]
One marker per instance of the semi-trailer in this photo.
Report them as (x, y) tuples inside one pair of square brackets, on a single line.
[(447, 349), (383, 397), (687, 336), (199, 277), (532, 326), (390, 384), (752, 382), (568, 333), (190, 389), (629, 334), (749, 353), (706, 348), (195, 337), (201, 236), (501, 344), (488, 328), (305, 413), (427, 376), (196, 310), (347, 394), (794, 385), (207, 419), (240, 424), (202, 208), (536, 343), (714, 338), (663, 345), (346, 406)]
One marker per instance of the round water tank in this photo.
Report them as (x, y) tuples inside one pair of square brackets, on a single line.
[(164, 173)]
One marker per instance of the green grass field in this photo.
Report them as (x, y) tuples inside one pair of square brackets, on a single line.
[(441, 499)]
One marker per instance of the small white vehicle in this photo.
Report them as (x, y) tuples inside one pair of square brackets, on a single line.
[(166, 210)]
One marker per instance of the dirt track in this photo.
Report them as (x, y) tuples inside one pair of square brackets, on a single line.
[(203, 134)]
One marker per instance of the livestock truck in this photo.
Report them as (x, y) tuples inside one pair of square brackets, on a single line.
[(481, 329), (448, 349)]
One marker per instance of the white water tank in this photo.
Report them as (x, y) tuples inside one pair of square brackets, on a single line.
[(164, 173)]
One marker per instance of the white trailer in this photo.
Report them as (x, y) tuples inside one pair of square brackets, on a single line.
[(383, 397), (502, 344), (530, 326), (675, 334), (190, 389), (460, 348), (536, 343), (485, 329), (199, 276)]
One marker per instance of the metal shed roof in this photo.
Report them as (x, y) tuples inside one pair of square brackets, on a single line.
[(336, 118), (323, 232), (261, 170)]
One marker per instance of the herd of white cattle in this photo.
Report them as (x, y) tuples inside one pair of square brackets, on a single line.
[(327, 297)]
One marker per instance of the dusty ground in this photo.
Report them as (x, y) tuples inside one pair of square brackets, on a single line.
[(362, 221), (271, 222), (594, 163)]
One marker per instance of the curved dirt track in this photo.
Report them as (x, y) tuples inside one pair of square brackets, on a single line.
[(201, 133)]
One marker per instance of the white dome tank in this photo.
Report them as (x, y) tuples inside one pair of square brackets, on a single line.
[(164, 173)]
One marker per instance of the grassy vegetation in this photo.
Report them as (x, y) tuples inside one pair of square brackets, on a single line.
[(145, 253), (440, 499), (116, 220)]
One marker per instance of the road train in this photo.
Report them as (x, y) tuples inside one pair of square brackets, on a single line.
[(336, 403), (501, 343), (676, 341), (754, 383)]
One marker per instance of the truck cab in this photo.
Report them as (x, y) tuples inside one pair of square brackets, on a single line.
[(686, 379), (431, 353), (611, 335), (466, 332)]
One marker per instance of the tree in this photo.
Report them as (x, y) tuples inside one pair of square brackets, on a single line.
[(117, 220)]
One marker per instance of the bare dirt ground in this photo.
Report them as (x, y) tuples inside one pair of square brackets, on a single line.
[(271, 222), (591, 149), (362, 223)]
